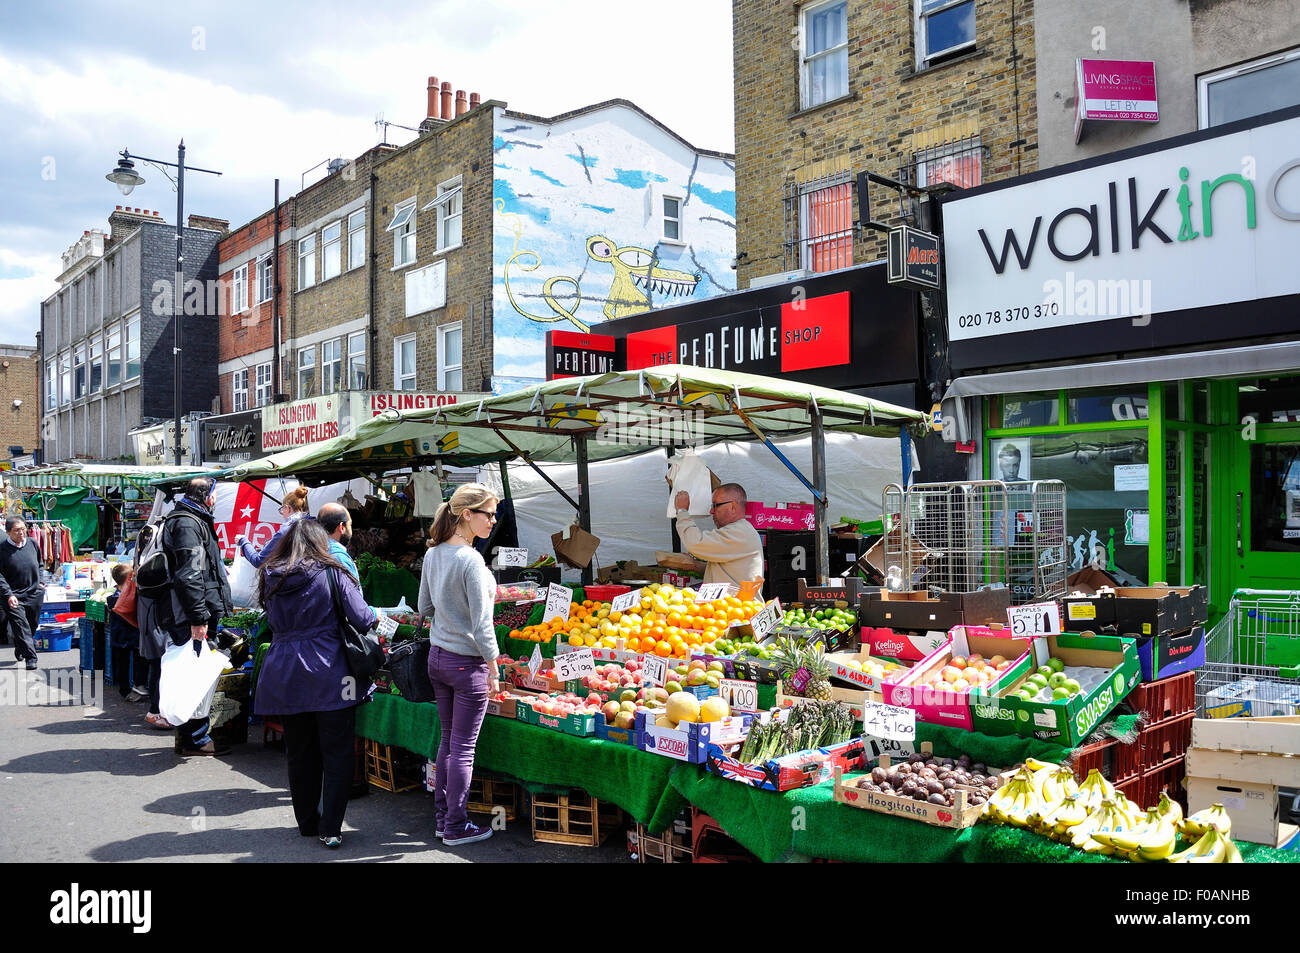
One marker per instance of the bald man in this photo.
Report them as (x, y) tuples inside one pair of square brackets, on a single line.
[(335, 519)]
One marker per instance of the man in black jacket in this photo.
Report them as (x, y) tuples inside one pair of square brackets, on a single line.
[(21, 592), (200, 590)]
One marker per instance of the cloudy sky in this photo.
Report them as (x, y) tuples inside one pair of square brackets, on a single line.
[(262, 90)]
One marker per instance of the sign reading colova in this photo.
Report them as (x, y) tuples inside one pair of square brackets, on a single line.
[(1190, 223)]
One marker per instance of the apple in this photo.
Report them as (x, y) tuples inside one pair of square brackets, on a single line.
[(628, 706), (1058, 679), (610, 710), (624, 720), (1073, 685), (957, 662), (1046, 671), (1056, 664), (996, 660), (1060, 692)]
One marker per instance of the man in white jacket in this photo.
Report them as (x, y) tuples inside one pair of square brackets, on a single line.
[(733, 551)]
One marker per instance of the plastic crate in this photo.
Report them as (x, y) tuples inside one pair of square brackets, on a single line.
[(391, 768), (1146, 788), (605, 593), (96, 610), (53, 638), (1129, 761), (575, 818), (1166, 741), (1099, 755), (1164, 698)]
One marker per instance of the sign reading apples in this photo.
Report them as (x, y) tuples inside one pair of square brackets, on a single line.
[(1035, 619)]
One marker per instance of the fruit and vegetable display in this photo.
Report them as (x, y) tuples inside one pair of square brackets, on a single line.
[(1055, 681), (923, 777), (805, 727), (694, 674), (820, 618), (510, 615), (962, 673), (804, 669), (1093, 816), (517, 592)]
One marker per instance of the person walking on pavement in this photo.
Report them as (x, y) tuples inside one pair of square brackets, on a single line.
[(305, 678), (462, 649), (335, 519), (292, 509), (199, 593), (21, 592)]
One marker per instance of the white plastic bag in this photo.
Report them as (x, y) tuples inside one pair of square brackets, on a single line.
[(243, 581), (690, 474), (188, 681)]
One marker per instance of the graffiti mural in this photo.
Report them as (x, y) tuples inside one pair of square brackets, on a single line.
[(601, 215)]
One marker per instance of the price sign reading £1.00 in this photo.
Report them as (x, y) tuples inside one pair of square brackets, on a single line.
[(558, 601), (740, 695), (574, 664), (1035, 619), (628, 600)]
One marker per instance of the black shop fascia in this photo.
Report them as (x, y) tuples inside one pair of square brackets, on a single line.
[(849, 330)]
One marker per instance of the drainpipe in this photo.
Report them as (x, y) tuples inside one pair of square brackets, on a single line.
[(370, 279), (275, 300)]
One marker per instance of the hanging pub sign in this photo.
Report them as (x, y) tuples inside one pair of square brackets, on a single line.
[(913, 258), (569, 354)]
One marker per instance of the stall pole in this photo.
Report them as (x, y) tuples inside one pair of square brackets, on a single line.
[(822, 548), (584, 499), (905, 445), (505, 480)]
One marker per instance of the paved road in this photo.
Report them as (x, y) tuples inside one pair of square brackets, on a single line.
[(79, 786)]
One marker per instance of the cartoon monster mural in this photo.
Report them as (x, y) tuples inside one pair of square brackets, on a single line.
[(637, 276)]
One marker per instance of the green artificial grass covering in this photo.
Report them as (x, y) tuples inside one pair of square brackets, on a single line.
[(387, 587), (636, 781)]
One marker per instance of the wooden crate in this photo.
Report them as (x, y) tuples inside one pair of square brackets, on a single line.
[(488, 794), (386, 768), (672, 846), (575, 818)]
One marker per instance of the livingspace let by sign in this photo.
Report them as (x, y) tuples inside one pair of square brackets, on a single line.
[(1205, 223)]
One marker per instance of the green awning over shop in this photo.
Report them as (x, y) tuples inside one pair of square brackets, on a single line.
[(97, 476)]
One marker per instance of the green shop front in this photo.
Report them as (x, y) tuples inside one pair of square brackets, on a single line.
[(1130, 325)]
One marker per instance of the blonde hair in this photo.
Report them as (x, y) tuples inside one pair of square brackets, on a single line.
[(469, 496), (296, 499)]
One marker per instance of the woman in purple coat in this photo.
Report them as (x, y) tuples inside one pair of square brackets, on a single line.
[(304, 677)]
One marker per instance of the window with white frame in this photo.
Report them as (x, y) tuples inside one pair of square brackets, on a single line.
[(357, 239), (448, 204), (307, 262), (1249, 89), (331, 251), (114, 355), (672, 218), (944, 29), (240, 390), (265, 279), (239, 290), (132, 364), (404, 363), (306, 372), (357, 361), (65, 378), (403, 228), (51, 384), (331, 365), (449, 357), (262, 396), (96, 364), (79, 373), (823, 53)]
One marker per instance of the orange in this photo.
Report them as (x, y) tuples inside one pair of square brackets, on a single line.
[(663, 649), (634, 644), (680, 651)]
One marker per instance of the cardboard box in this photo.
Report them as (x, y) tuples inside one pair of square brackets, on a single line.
[(788, 516), (1252, 698), (884, 642), (1137, 611), (948, 707), (689, 743), (584, 726), (506, 707), (797, 770), (855, 678), (849, 589), (1241, 763), (1172, 654), (517, 675), (574, 546), (1252, 807), (607, 732), (1265, 735), (919, 610), (1070, 720)]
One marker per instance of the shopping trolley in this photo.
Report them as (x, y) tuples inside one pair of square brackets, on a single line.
[(1252, 657)]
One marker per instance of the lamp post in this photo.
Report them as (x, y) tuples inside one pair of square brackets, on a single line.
[(126, 178)]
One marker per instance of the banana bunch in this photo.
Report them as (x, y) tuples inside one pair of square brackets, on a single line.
[(1198, 825), (1213, 847), (1096, 789), (1149, 840), (1068, 814), (1108, 818), (1053, 782), (1015, 801)]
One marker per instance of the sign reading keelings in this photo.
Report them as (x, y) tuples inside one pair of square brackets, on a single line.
[(1192, 225)]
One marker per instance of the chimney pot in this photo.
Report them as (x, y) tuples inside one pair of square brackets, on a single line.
[(446, 101), (474, 100), (432, 109), (462, 104)]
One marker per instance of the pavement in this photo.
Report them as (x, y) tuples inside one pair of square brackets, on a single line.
[(83, 784)]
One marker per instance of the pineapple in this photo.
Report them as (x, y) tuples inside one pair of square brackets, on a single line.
[(819, 684), (789, 658)]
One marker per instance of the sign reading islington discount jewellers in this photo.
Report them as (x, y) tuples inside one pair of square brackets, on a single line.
[(1205, 227)]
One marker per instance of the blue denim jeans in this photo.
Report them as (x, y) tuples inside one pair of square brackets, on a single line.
[(460, 688)]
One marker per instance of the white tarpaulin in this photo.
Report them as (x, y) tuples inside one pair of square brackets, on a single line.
[(240, 508), (628, 495)]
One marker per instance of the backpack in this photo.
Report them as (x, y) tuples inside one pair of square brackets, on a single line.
[(153, 576)]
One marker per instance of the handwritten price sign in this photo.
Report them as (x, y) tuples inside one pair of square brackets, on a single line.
[(654, 669), (628, 600), (740, 695), (1035, 619), (712, 591), (574, 665), (888, 722), (558, 600), (766, 621), (535, 661), (507, 557)]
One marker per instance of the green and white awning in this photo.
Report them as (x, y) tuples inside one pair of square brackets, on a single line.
[(96, 476)]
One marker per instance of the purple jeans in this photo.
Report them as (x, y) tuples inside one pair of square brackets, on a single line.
[(460, 688)]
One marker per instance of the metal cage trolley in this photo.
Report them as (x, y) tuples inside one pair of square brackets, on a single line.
[(1252, 657)]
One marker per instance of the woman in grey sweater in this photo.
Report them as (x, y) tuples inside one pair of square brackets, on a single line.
[(462, 649)]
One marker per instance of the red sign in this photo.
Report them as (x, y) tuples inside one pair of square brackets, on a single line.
[(570, 354), (815, 332), (651, 348)]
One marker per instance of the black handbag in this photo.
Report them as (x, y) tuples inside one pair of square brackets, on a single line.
[(409, 665), (364, 654)]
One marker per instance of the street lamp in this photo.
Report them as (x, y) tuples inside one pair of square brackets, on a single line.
[(126, 178)]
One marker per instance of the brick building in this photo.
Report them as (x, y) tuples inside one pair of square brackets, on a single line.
[(107, 334), (920, 90), (20, 414)]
